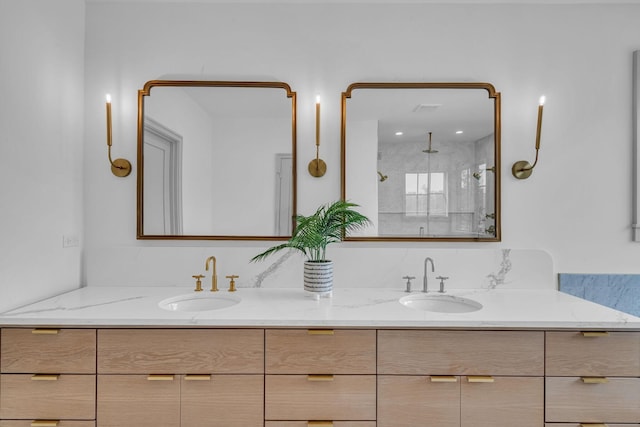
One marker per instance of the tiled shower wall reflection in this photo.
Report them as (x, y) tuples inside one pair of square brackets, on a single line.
[(619, 291)]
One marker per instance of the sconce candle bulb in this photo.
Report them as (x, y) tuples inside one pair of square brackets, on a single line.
[(317, 167), (523, 169), (119, 167)]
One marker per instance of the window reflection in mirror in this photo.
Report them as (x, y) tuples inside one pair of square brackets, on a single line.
[(216, 160), (422, 160)]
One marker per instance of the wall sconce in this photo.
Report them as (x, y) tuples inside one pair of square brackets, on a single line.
[(383, 178), (523, 169), (317, 166), (119, 167)]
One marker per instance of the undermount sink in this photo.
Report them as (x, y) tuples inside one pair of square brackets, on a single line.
[(199, 302), (440, 303)]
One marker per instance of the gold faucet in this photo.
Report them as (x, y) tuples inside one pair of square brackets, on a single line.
[(214, 276)]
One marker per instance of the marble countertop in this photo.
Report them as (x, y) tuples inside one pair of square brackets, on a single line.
[(291, 307)]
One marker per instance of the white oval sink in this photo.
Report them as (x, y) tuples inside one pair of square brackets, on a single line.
[(199, 302), (440, 303)]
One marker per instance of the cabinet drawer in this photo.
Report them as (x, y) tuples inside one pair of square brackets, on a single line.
[(180, 351), (518, 353), (338, 397), (41, 423), (135, 400), (67, 397), (305, 351), (230, 400), (60, 351), (589, 425), (409, 401), (610, 354), (519, 401), (570, 399), (319, 424)]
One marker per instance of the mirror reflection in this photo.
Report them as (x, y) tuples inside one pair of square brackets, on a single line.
[(422, 159), (216, 160)]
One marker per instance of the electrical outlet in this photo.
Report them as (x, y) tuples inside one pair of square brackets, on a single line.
[(70, 241)]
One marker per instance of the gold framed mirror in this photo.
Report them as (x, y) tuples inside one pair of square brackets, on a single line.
[(423, 160), (216, 160)]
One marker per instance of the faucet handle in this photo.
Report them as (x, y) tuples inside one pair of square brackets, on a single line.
[(442, 279), (198, 278), (409, 278), (232, 282)]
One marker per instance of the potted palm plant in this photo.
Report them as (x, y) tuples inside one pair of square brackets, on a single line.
[(311, 236)]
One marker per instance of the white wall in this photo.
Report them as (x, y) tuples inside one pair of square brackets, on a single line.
[(576, 206), (41, 126)]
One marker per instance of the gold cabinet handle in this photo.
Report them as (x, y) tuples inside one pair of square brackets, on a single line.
[(45, 423), (320, 331), (44, 377), (198, 377), (319, 377), (43, 331), (443, 379), (480, 379), (160, 377), (595, 334), (594, 380), (320, 424), (593, 425)]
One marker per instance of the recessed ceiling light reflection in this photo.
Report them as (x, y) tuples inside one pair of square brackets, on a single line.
[(458, 132), (399, 133)]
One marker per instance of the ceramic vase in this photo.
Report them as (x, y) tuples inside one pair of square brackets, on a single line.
[(318, 278)]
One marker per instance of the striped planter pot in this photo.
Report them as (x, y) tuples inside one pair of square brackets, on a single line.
[(318, 276)]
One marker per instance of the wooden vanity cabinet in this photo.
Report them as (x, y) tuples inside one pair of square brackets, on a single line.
[(460, 378), (180, 377), (47, 375), (320, 375), (592, 377)]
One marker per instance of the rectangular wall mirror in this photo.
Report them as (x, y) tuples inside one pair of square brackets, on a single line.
[(216, 160), (423, 160)]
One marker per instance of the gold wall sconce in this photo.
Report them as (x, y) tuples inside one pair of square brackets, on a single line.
[(317, 166), (119, 167), (383, 178), (523, 169)]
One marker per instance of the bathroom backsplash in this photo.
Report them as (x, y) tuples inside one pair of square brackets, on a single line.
[(353, 267), (619, 291)]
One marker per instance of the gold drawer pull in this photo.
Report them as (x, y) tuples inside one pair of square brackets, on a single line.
[(45, 423), (443, 379), (197, 377), (593, 425), (480, 379), (320, 424), (595, 334), (319, 377), (320, 332), (42, 331), (44, 377), (594, 380), (160, 377)]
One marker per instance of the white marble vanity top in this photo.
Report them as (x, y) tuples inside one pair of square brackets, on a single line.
[(290, 307)]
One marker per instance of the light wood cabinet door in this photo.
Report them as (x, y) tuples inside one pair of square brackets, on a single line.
[(328, 351), (615, 354), (320, 424), (65, 397), (60, 351), (570, 399), (222, 401), (502, 402), (138, 400), (181, 351), (409, 401), (337, 397), (46, 423), (415, 352)]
